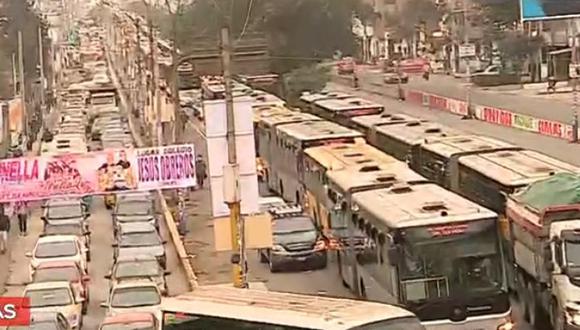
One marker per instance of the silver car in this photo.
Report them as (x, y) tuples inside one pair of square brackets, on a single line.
[(137, 239), (130, 268)]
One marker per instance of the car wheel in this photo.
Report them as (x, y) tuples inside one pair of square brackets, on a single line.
[(274, 268)]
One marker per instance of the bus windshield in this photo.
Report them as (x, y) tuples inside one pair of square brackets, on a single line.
[(449, 261)]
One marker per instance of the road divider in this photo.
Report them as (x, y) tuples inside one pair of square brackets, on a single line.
[(167, 216), (488, 114)]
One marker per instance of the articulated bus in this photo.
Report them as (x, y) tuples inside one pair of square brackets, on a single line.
[(307, 100), (318, 160), (400, 140), (268, 138), (217, 307), (427, 249), (341, 111), (260, 112), (288, 151), (366, 124)]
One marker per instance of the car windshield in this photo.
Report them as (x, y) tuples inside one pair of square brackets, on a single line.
[(135, 297), (140, 239), (49, 297), (137, 269), (290, 230), (55, 249), (134, 208), (65, 211), (68, 229), (129, 326), (57, 274)]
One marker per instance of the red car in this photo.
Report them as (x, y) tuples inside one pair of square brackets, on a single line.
[(64, 271), (141, 321)]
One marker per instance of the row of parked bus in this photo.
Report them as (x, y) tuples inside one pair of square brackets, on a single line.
[(416, 208)]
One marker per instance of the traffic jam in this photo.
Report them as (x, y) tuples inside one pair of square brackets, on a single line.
[(59, 284)]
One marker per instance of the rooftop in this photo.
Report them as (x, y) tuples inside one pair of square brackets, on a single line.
[(317, 130), (414, 205)]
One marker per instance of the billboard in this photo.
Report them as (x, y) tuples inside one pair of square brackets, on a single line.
[(549, 9), (94, 173)]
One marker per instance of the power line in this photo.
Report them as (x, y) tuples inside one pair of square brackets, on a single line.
[(248, 15)]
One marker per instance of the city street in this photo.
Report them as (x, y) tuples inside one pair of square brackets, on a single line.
[(522, 102), (100, 265)]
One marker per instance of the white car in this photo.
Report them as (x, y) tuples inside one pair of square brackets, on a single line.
[(58, 248), (56, 297), (134, 296)]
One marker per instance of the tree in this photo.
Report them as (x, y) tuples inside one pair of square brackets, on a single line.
[(310, 78), (412, 14), (299, 31), (516, 47)]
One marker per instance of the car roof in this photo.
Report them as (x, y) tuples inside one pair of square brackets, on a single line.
[(128, 318), (137, 258), (47, 285), (57, 238)]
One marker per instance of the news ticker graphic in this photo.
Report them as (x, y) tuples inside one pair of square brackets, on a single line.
[(14, 311)]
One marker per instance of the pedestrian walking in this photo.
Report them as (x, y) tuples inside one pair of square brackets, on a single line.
[(22, 212), (200, 171), (4, 229)]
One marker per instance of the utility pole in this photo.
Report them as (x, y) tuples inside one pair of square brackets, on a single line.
[(466, 34), (231, 171), (156, 100), (575, 89), (42, 78), (15, 82), (22, 86)]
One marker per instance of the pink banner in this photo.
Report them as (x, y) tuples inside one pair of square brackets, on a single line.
[(37, 178)]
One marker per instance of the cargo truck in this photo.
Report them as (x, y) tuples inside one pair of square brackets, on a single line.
[(544, 232)]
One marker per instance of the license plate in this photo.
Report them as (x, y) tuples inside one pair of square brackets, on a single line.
[(301, 258)]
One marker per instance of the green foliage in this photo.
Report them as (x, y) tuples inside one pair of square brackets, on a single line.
[(299, 31), (307, 78), (515, 47), (412, 13)]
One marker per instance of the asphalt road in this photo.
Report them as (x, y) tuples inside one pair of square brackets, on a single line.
[(555, 108), (102, 253)]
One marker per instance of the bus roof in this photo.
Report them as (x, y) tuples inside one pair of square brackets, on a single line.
[(290, 309), (465, 144), (317, 130), (345, 104), (415, 205), (516, 168), (268, 110), (311, 98), (286, 118), (383, 119), (415, 132), (342, 155), (372, 176)]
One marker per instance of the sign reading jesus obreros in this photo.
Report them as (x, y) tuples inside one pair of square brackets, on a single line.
[(93, 173)]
